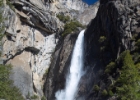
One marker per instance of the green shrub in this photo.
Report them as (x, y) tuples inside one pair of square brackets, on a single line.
[(10, 5), (2, 27), (137, 45), (28, 95), (63, 18), (70, 27), (102, 48), (7, 90), (1, 2), (96, 88), (43, 98), (34, 97), (46, 72), (104, 92), (102, 39), (109, 67), (136, 57), (138, 66), (110, 93), (138, 42)]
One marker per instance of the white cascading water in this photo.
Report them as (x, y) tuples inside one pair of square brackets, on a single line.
[(76, 71)]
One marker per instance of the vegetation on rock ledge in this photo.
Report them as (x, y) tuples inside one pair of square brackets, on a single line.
[(70, 25), (63, 18)]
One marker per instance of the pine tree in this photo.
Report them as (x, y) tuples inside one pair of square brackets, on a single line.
[(127, 85)]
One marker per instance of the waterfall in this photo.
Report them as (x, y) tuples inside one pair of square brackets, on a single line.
[(76, 70)]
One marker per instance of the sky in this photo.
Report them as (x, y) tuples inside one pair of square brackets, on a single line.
[(90, 2)]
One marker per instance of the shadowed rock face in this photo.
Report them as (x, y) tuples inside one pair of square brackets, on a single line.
[(118, 21)]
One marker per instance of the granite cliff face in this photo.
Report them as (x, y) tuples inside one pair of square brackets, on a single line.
[(78, 5), (41, 57), (114, 30), (74, 4), (30, 40), (32, 33), (88, 14)]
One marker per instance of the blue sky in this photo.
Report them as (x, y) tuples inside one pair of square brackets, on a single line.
[(90, 1)]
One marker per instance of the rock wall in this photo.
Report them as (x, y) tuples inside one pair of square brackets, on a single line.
[(88, 14), (74, 4), (29, 43), (117, 23), (78, 5), (32, 30), (71, 8)]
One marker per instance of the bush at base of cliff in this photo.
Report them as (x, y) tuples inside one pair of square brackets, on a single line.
[(7, 90)]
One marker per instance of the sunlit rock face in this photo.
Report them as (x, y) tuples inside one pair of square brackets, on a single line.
[(74, 4), (32, 33), (29, 43), (88, 14)]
